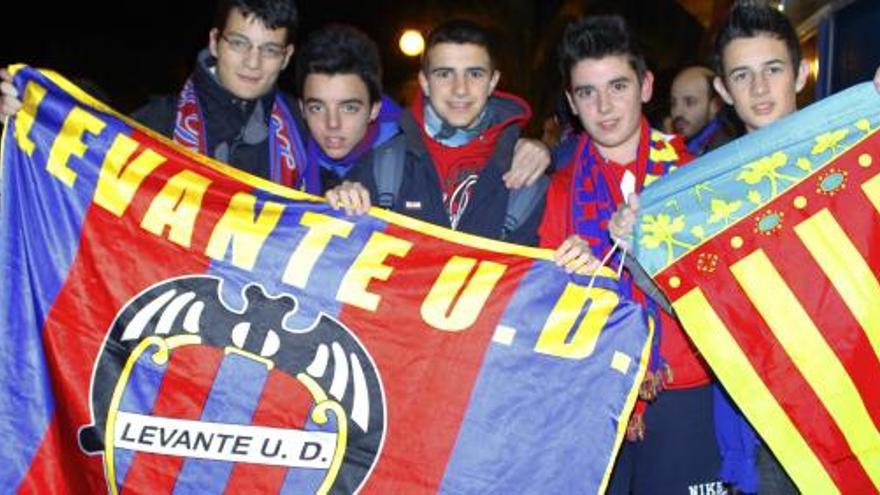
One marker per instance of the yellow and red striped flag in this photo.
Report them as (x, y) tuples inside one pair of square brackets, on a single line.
[(769, 249)]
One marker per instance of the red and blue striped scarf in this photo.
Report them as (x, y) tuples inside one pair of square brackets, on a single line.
[(595, 195), (288, 165)]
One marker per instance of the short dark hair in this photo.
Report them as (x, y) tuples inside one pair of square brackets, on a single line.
[(340, 49), (460, 32), (598, 37), (275, 14), (750, 19)]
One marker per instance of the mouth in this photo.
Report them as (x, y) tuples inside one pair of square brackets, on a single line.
[(763, 109), (680, 125), (334, 142), (608, 125), (459, 106), (248, 79)]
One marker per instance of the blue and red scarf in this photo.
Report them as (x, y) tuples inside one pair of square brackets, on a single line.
[(593, 196), (288, 165)]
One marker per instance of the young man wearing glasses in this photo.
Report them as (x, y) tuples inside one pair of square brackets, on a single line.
[(230, 107)]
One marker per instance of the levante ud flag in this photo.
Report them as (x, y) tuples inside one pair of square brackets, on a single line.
[(768, 249), (171, 325)]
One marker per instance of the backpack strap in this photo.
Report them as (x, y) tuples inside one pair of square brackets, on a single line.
[(521, 203), (388, 162)]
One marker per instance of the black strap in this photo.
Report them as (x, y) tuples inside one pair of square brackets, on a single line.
[(521, 203), (388, 162)]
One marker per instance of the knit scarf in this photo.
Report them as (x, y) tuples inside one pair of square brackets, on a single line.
[(287, 162), (595, 195), (451, 136)]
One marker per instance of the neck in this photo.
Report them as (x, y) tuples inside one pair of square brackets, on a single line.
[(624, 152)]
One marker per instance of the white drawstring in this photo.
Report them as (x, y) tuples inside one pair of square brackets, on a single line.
[(604, 261)]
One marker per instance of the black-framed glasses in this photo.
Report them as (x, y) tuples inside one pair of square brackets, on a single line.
[(242, 45)]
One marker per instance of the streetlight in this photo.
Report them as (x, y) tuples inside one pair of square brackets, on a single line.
[(412, 44)]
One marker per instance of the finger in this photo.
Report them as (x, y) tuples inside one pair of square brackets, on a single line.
[(579, 264), (332, 198), (576, 250), (8, 89), (534, 176), (512, 179), (633, 202), (562, 250), (586, 264), (363, 199), (347, 201)]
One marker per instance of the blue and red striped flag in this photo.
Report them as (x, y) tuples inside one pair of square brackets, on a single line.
[(768, 249), (173, 325)]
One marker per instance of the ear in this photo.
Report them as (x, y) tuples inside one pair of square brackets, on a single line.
[(571, 104), (714, 105), (423, 82), (722, 90), (496, 76), (374, 110), (647, 86), (288, 53), (802, 73), (213, 40)]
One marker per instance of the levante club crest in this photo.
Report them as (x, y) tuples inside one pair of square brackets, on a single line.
[(188, 389)]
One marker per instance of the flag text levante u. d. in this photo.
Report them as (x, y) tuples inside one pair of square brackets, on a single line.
[(178, 326)]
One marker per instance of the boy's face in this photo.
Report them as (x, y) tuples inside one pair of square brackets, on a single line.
[(249, 55), (338, 111), (458, 82), (607, 97), (760, 80)]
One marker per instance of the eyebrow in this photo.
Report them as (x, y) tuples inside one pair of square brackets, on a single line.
[(245, 37), (746, 67), (476, 67), (343, 102)]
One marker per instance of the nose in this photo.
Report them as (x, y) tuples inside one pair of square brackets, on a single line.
[(252, 58), (459, 85), (333, 120), (603, 103), (760, 85)]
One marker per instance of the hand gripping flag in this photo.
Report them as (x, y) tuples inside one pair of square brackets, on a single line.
[(768, 250), (171, 325)]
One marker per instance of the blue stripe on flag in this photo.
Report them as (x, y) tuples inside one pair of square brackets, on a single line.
[(233, 399), (27, 294), (521, 404)]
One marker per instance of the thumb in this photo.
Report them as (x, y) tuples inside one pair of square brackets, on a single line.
[(633, 201)]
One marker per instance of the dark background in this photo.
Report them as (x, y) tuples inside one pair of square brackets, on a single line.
[(131, 50)]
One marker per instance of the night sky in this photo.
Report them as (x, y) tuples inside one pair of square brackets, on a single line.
[(132, 50)]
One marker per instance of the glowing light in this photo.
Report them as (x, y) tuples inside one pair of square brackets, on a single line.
[(814, 68), (412, 44)]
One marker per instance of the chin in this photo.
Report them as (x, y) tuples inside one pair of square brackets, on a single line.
[(460, 121)]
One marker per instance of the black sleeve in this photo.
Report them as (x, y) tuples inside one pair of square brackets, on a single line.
[(159, 114)]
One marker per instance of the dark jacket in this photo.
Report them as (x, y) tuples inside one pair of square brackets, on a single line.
[(420, 194), (224, 116)]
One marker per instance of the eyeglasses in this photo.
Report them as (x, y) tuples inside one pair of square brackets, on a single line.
[(242, 45)]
